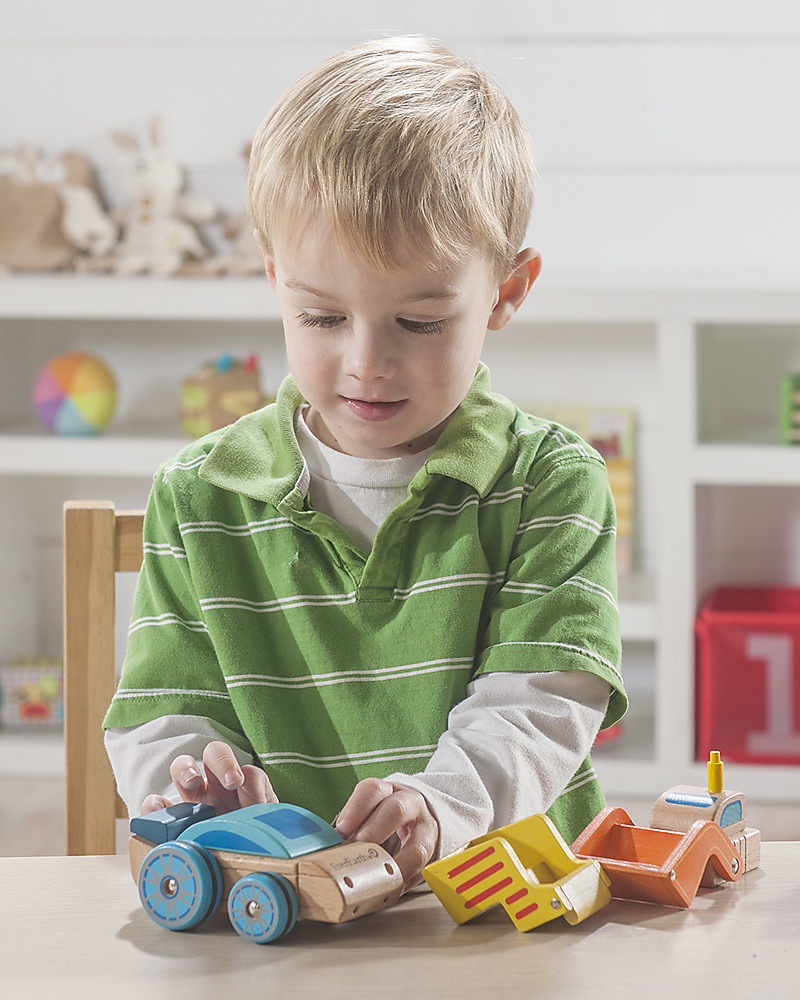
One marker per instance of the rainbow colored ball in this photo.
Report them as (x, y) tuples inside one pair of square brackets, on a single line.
[(75, 395)]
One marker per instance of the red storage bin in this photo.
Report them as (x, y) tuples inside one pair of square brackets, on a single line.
[(748, 675)]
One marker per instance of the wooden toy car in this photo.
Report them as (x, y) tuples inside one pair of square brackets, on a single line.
[(525, 867), (274, 864)]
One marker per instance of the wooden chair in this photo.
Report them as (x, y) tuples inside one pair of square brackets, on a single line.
[(98, 543)]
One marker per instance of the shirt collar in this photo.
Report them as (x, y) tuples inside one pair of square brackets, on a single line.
[(259, 456), (478, 442)]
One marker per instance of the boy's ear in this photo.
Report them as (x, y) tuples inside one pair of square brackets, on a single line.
[(514, 290), (269, 267)]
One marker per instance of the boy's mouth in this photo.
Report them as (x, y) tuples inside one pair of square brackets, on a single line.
[(375, 409)]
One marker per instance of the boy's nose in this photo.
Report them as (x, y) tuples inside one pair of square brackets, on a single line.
[(369, 356)]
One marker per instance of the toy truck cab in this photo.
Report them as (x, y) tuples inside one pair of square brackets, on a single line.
[(273, 863), (683, 805)]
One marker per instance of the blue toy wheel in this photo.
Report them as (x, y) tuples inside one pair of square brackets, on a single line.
[(179, 885), (262, 907)]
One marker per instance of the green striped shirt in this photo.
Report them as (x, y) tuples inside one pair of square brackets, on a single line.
[(263, 615)]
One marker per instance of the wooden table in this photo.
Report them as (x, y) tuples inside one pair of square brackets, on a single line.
[(73, 928)]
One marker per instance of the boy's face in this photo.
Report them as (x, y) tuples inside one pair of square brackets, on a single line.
[(383, 360)]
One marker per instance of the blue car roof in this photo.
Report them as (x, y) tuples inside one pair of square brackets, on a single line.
[(274, 830)]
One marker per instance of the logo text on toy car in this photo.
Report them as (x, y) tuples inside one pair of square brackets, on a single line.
[(355, 859)]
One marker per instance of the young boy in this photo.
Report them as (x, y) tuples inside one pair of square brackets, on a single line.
[(390, 595)]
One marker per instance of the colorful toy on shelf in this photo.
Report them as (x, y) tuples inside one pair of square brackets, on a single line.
[(525, 867), (275, 864), (32, 694), (219, 393), (790, 409), (697, 836), (75, 394)]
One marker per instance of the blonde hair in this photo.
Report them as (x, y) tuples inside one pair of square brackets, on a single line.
[(401, 146)]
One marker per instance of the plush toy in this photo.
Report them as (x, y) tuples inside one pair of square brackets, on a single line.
[(75, 394), (51, 214), (159, 233), (243, 254)]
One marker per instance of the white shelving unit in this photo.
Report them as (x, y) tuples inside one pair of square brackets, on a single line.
[(698, 365)]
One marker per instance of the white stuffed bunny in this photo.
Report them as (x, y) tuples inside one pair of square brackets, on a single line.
[(159, 235)]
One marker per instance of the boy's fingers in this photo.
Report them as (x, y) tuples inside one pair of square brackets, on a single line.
[(186, 774), (256, 788), (395, 816), (224, 785), (364, 800), (220, 761), (415, 853), (154, 802), (401, 808)]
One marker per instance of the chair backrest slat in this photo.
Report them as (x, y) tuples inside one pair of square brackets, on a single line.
[(98, 543)]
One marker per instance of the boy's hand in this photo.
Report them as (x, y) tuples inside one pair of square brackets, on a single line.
[(396, 817), (226, 784)]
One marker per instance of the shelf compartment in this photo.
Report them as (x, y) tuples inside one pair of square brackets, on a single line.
[(739, 372), (746, 535)]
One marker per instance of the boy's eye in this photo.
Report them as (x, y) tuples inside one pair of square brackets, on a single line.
[(429, 326), (328, 321), (314, 319)]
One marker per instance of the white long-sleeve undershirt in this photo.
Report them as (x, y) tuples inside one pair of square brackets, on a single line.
[(510, 748)]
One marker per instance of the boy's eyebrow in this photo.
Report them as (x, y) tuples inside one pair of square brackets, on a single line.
[(301, 286), (440, 294)]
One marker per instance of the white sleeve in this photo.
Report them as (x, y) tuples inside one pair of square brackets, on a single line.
[(141, 755), (510, 748)]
